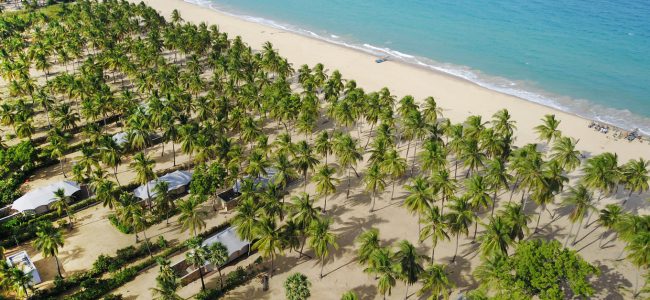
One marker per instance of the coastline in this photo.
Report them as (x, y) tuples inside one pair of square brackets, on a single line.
[(459, 97)]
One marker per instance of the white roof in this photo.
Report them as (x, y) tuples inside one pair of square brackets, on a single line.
[(263, 181), (44, 195), (229, 239), (120, 138), (175, 180), (22, 261)]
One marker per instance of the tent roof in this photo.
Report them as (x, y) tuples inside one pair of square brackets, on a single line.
[(120, 138), (229, 239), (263, 181), (44, 195), (175, 180)]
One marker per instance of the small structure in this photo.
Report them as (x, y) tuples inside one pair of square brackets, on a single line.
[(177, 181), (120, 138), (22, 261), (228, 237), (228, 198), (38, 201)]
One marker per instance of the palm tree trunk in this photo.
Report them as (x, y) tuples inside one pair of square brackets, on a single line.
[(174, 152), (407, 291), (369, 135), (61, 165), (115, 174), (58, 266), (569, 235), (392, 192), (374, 196), (325, 204), (433, 250), (305, 181), (220, 277), (408, 148), (539, 216), (271, 271), (146, 242), (456, 251), (512, 190), (322, 264), (302, 245), (475, 230), (575, 237), (349, 175), (202, 282), (415, 152)]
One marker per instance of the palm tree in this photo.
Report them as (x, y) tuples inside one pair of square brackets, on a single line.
[(393, 166), (48, 241), (497, 178), (565, 153), (477, 193), (246, 219), (579, 201), (409, 264), (321, 239), (269, 241), (635, 176), (197, 257), (19, 281), (517, 219), (143, 167), (163, 201), (381, 264), (191, 216), (420, 197), (111, 155), (445, 185), (548, 130), (108, 193), (323, 145), (325, 182), (459, 219), (639, 253), (602, 173), (218, 256), (609, 217), (431, 111), (496, 238), (62, 203), (435, 282), (348, 154), (435, 228), (304, 160), (374, 180), (349, 295), (167, 283), (368, 243), (303, 213)]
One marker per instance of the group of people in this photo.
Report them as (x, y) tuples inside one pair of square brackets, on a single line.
[(630, 136), (598, 127)]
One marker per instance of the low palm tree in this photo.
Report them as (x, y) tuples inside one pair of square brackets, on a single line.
[(19, 281), (48, 241), (304, 160), (435, 282), (303, 213), (368, 243), (459, 219), (548, 131), (197, 257), (218, 256), (163, 201), (382, 265), (564, 152), (191, 215), (419, 199), (409, 264), (167, 282), (143, 167), (321, 239), (246, 220), (517, 220), (325, 182), (609, 217), (636, 176), (435, 228), (393, 166), (477, 193)]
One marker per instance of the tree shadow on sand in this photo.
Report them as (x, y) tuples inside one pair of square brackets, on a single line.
[(609, 283)]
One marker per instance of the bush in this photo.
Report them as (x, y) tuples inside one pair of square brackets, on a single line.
[(234, 279), (121, 227)]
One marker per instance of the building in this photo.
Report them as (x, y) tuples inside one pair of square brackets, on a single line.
[(177, 184), (228, 199), (39, 200), (22, 261)]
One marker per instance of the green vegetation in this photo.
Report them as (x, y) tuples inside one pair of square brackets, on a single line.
[(297, 287)]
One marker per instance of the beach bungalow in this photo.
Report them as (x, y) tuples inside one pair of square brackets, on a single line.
[(39, 200), (22, 261), (228, 237), (228, 198), (177, 184)]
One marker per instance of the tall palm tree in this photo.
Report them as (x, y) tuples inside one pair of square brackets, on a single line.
[(374, 182), (304, 160), (62, 203), (191, 215), (393, 166), (459, 219), (409, 264), (48, 241), (609, 217), (368, 243), (445, 185), (639, 253), (635, 176), (548, 131), (163, 201), (496, 238), (435, 228), (381, 264), (143, 166), (19, 281), (497, 178), (348, 154), (420, 197), (579, 201), (323, 145), (565, 153), (435, 282), (517, 220), (477, 193), (602, 173), (321, 239), (197, 257), (167, 282), (303, 213), (108, 193), (325, 182), (218, 256), (246, 219), (269, 241)]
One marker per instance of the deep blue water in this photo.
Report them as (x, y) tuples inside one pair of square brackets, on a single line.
[(587, 57)]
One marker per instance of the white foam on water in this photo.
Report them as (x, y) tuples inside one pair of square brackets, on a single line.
[(618, 117)]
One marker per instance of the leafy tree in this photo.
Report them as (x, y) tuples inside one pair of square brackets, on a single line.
[(297, 287)]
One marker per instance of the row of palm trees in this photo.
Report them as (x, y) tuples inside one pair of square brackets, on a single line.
[(219, 100)]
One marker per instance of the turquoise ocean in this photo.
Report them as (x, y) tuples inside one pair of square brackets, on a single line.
[(591, 58)]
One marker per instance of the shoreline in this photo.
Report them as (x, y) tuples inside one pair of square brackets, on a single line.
[(544, 99), (458, 96)]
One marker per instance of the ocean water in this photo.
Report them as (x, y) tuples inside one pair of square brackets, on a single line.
[(591, 58)]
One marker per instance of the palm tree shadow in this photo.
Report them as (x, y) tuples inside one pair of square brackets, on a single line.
[(366, 291), (456, 270), (609, 283)]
